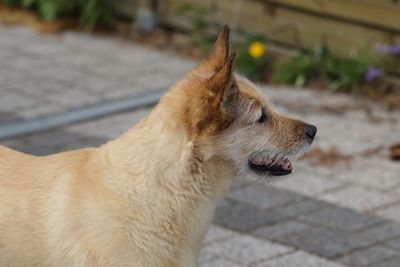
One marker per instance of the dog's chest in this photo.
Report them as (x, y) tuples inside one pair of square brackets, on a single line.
[(198, 226)]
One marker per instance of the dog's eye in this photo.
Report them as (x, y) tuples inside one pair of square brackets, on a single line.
[(262, 117)]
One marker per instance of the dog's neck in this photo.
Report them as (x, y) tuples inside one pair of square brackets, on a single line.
[(158, 151), (155, 166)]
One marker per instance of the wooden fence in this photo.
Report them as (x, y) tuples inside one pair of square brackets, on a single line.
[(346, 26)]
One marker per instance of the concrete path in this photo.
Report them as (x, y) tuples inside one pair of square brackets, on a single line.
[(341, 207)]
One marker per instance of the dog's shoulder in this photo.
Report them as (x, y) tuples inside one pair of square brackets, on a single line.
[(8, 156)]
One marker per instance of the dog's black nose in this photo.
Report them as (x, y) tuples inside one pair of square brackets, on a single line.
[(310, 131)]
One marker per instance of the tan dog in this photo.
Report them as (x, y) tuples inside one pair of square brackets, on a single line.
[(148, 197)]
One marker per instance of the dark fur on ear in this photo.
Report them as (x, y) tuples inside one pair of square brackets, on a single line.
[(210, 91), (218, 54), (222, 82)]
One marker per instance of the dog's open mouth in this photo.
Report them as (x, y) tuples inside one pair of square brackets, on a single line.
[(273, 167)]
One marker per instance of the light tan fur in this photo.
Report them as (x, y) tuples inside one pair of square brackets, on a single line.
[(147, 198)]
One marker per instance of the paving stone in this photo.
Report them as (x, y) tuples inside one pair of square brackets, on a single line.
[(7, 118), (52, 142), (341, 218), (301, 207), (364, 171), (263, 197), (395, 262), (359, 198), (368, 256), (220, 262), (307, 182), (324, 242), (280, 229), (381, 232), (12, 102), (101, 127), (243, 217), (246, 250), (391, 212), (297, 259), (206, 255), (40, 110), (78, 71), (216, 233), (393, 243)]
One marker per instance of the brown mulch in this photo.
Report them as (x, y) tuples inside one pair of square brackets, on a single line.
[(395, 152), (13, 15), (330, 157)]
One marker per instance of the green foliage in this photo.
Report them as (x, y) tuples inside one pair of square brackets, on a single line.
[(90, 12), (199, 18), (297, 70), (345, 74), (253, 66)]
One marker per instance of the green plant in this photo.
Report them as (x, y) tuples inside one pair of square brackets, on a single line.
[(90, 12), (297, 70), (252, 58), (345, 74), (200, 23)]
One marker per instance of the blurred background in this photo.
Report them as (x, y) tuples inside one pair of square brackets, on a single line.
[(76, 73)]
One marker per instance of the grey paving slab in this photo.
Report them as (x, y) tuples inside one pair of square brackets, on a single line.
[(303, 206), (393, 243), (395, 262), (216, 233), (220, 262), (381, 232), (70, 70), (341, 218), (272, 232), (245, 249), (297, 259), (359, 198), (308, 180), (391, 212), (366, 172), (324, 242), (52, 142), (263, 197), (6, 118), (368, 256), (243, 217)]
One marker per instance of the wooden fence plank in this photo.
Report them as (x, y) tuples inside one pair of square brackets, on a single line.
[(371, 13), (285, 26)]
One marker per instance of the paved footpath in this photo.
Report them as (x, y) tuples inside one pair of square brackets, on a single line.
[(341, 207), (44, 74)]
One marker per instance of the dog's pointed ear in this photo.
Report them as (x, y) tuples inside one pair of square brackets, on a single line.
[(221, 84), (218, 54)]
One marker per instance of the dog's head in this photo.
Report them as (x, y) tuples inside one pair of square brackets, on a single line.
[(229, 118)]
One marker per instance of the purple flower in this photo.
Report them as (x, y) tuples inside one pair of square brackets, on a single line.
[(396, 49), (373, 73), (383, 48), (388, 49)]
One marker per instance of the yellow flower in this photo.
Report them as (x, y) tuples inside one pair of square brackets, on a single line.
[(256, 49)]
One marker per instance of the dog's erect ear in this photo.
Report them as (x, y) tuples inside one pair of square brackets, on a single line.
[(218, 54), (216, 95), (221, 84)]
